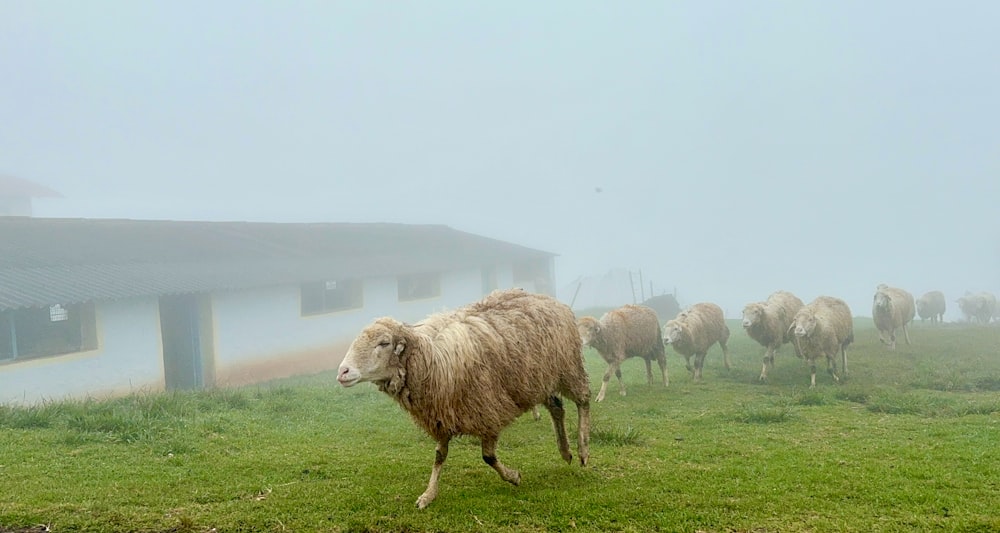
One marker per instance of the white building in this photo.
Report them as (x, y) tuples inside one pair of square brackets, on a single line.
[(92, 307)]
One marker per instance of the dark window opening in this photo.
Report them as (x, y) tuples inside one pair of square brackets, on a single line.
[(328, 296), (41, 332), (419, 286), (534, 274)]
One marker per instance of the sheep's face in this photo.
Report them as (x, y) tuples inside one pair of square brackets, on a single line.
[(752, 314), (588, 328), (922, 307), (373, 356), (804, 324), (882, 300), (672, 332)]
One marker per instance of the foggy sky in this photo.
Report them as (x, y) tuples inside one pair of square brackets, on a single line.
[(740, 147)]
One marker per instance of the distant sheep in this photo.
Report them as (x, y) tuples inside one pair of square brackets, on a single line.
[(628, 331), (694, 331), (931, 305), (892, 309), (822, 328), (978, 307), (767, 323), (474, 370)]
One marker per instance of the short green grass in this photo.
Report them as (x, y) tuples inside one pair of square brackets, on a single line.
[(909, 442)]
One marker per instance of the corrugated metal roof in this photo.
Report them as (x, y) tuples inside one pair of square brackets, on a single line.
[(45, 261)]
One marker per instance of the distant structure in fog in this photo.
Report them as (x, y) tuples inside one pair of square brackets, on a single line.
[(614, 288), (16, 195), (92, 307)]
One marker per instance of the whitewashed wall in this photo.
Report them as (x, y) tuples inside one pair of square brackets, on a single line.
[(128, 359), (261, 324)]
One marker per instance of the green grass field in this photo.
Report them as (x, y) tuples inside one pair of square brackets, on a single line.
[(910, 442)]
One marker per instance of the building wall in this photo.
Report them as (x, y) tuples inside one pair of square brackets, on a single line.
[(256, 335), (261, 334), (127, 359)]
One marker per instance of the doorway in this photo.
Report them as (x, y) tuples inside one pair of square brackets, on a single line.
[(186, 333)]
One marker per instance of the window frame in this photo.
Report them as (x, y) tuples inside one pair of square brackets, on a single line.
[(331, 296), (51, 331), (413, 287)]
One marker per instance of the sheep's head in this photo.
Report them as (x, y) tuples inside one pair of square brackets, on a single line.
[(882, 300), (374, 355), (672, 331), (589, 327), (922, 305), (804, 323), (752, 314)]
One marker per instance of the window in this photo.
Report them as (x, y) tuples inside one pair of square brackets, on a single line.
[(534, 275), (52, 330), (328, 296), (419, 286)]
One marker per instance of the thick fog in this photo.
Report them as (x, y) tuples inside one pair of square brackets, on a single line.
[(728, 149)]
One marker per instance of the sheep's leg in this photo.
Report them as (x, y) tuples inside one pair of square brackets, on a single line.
[(812, 374), (583, 422), (725, 354), (831, 367), (843, 360), (768, 361), (490, 457), (440, 454), (621, 382), (906, 333), (534, 413), (649, 371), (687, 364), (699, 363), (662, 361), (555, 406), (612, 369)]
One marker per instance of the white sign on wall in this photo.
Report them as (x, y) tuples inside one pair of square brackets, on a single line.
[(58, 313)]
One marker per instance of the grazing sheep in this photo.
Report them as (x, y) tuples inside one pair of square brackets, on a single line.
[(892, 309), (931, 305), (822, 328), (694, 331), (767, 323), (474, 370), (978, 307), (628, 331)]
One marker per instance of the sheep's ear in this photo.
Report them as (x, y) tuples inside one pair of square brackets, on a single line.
[(400, 346), (791, 327)]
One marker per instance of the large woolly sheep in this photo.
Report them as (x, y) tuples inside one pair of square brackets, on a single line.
[(628, 331), (892, 309), (931, 305), (822, 328), (694, 331), (978, 307), (474, 370), (767, 323)]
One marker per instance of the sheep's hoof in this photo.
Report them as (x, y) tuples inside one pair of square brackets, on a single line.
[(622, 393), (514, 478), (424, 500)]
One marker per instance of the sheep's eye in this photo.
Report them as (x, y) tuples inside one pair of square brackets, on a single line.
[(383, 344)]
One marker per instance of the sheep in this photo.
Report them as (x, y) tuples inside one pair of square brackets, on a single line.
[(821, 329), (628, 331), (931, 305), (473, 370), (767, 323), (978, 307), (892, 309), (694, 331)]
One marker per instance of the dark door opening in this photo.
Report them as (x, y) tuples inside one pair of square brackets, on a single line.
[(180, 328)]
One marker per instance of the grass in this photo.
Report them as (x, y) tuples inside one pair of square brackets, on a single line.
[(907, 443)]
